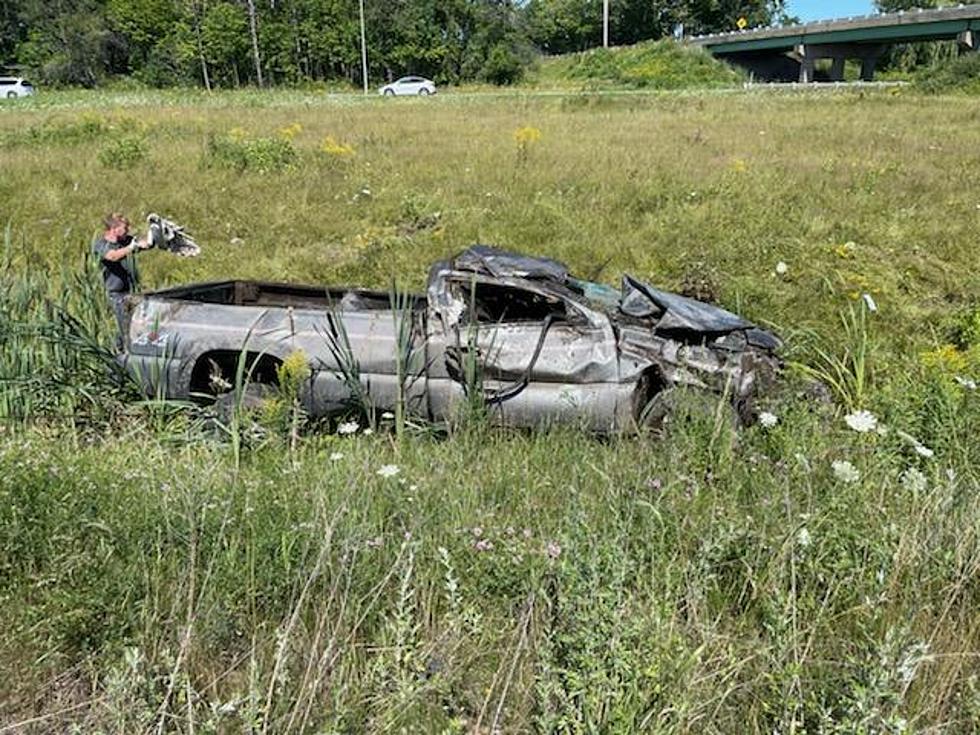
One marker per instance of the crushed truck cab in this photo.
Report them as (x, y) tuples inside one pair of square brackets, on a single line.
[(519, 334)]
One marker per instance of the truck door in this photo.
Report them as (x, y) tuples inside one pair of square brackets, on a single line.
[(533, 356)]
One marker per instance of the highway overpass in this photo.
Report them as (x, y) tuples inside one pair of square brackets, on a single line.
[(790, 52)]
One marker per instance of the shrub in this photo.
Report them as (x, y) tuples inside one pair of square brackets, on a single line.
[(503, 66), (124, 152), (236, 151), (960, 75)]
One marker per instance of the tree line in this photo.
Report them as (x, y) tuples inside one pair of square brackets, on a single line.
[(230, 43)]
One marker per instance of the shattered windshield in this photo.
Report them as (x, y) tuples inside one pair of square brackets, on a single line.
[(598, 295)]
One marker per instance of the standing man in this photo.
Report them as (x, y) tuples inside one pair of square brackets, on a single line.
[(113, 249)]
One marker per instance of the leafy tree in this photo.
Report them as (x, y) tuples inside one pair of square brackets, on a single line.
[(225, 41), (68, 42)]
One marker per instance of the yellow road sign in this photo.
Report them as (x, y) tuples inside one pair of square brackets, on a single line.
[(741, 23)]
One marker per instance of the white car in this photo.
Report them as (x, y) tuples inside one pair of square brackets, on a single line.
[(11, 87), (409, 85)]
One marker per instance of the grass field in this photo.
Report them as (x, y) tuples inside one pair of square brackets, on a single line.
[(803, 577)]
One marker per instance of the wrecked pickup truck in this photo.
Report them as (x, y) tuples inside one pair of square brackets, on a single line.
[(519, 334)]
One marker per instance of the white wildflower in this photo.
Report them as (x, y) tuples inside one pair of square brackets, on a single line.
[(803, 537), (348, 427), (389, 470), (845, 471), (914, 481), (861, 421), (781, 268), (368, 431), (768, 420), (908, 665), (336, 456), (967, 383), (921, 449), (387, 416)]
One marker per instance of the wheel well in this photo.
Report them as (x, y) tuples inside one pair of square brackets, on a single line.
[(215, 371), (651, 382)]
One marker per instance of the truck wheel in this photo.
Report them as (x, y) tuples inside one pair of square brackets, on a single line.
[(684, 406), (254, 397)]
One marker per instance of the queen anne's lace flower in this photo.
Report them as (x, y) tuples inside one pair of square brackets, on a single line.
[(861, 421), (845, 471), (914, 481), (348, 427), (768, 420), (388, 470)]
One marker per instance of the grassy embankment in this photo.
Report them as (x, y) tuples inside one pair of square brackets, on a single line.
[(154, 578), (648, 65)]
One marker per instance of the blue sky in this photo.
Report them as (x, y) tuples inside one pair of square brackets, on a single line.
[(823, 9)]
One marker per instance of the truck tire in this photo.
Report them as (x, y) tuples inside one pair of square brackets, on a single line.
[(680, 406)]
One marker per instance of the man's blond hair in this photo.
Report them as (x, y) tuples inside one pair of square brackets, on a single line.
[(114, 220)]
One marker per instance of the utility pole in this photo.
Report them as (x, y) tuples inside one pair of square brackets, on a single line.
[(253, 28), (363, 51), (605, 23)]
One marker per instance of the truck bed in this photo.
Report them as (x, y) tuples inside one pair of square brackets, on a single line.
[(261, 293)]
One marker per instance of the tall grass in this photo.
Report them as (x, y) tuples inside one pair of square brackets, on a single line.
[(155, 577), (54, 358)]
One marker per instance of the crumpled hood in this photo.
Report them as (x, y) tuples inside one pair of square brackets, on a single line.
[(674, 312)]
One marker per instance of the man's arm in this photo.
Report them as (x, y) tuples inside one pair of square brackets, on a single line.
[(119, 253)]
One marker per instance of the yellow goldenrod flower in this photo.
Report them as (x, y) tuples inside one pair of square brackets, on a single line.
[(291, 131), (332, 147), (526, 135), (946, 358)]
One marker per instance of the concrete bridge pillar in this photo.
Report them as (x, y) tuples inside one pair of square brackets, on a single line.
[(838, 53), (969, 40), (837, 69)]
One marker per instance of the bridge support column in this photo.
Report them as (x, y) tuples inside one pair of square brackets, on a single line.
[(837, 69), (969, 40), (869, 56), (807, 54)]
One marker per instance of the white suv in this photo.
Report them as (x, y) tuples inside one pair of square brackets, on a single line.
[(409, 85), (11, 87)]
